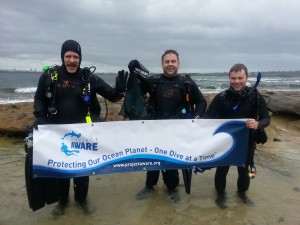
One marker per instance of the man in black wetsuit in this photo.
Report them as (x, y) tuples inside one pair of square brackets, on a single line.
[(168, 101), (252, 106), (70, 97)]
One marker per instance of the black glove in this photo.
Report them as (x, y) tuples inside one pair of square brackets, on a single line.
[(39, 121), (121, 81), (136, 67)]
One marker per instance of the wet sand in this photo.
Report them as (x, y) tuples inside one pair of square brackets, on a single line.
[(273, 197)]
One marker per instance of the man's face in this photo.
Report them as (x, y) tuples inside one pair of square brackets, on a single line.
[(238, 80), (170, 65), (71, 61)]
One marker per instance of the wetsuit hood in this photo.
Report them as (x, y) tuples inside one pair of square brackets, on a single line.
[(71, 45)]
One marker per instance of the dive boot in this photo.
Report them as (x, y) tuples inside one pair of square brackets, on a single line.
[(144, 193), (86, 207), (174, 196), (59, 209)]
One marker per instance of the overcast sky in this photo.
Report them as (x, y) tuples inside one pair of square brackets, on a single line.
[(210, 35)]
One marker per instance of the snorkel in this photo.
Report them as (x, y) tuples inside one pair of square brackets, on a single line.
[(235, 108), (251, 167)]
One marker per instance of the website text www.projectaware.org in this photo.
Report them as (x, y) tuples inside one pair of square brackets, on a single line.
[(77, 165), (134, 164)]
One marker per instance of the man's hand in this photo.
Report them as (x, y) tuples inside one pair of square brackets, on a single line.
[(252, 124), (121, 81)]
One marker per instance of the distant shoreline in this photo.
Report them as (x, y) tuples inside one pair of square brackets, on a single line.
[(181, 72)]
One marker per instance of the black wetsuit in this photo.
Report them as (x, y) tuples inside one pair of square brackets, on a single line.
[(166, 102), (71, 108), (222, 108)]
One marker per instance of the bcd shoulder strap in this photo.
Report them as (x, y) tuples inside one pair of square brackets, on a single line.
[(156, 81), (184, 83), (51, 74)]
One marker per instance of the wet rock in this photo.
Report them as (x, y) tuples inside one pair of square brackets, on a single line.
[(14, 118), (283, 102)]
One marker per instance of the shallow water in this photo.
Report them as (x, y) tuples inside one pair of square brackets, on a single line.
[(273, 198)]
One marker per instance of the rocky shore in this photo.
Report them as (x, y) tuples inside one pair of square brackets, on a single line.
[(14, 118), (276, 184)]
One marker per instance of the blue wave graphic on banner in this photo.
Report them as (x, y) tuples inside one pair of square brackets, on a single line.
[(233, 128)]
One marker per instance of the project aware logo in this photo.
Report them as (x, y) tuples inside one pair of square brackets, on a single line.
[(72, 144)]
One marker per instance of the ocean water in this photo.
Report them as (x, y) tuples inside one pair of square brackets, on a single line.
[(20, 86)]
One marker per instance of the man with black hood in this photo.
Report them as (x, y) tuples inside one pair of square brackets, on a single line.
[(71, 97)]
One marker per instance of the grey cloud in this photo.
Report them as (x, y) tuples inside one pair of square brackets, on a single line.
[(209, 35)]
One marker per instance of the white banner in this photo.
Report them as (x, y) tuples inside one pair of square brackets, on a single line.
[(71, 150)]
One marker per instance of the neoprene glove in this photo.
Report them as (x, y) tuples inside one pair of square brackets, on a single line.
[(121, 81), (137, 68)]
